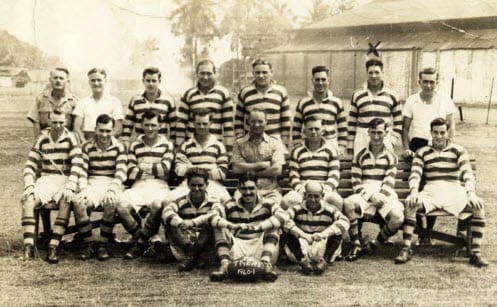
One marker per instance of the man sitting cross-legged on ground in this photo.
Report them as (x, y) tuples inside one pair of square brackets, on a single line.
[(149, 163), (105, 166), (314, 231), (57, 153), (443, 164), (314, 160), (373, 179), (248, 226)]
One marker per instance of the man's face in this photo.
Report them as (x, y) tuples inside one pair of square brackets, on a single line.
[(257, 123), (201, 125), (375, 75), (97, 82), (206, 76), (151, 127), (262, 74), (58, 80), (151, 83), (428, 83), (377, 135), (57, 122), (248, 190), (440, 136), (104, 132), (313, 130), (197, 186), (313, 200), (320, 82)]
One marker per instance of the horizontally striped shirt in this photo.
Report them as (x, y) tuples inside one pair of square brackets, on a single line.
[(365, 106), (266, 212), (61, 157), (274, 101), (183, 209), (218, 100), (332, 115), (110, 162), (382, 168), (321, 165), (328, 220), (450, 164), (212, 157), (163, 105), (156, 159)]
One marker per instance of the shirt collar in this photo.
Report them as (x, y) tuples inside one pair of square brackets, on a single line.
[(113, 143), (320, 210), (159, 93), (160, 140), (265, 137), (203, 204), (212, 139)]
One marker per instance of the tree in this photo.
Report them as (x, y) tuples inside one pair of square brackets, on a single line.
[(322, 9)]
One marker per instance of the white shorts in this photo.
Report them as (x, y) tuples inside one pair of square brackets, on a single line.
[(366, 207), (145, 192), (214, 189), (449, 196), (96, 189), (49, 188), (362, 139), (314, 251), (249, 247)]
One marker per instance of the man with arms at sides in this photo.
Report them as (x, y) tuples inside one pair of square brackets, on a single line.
[(265, 94), (323, 104), (449, 185), (149, 164), (57, 157), (248, 226), (419, 110), (314, 231), (153, 99), (375, 100), (105, 167), (313, 160), (373, 180), (207, 94), (89, 108)]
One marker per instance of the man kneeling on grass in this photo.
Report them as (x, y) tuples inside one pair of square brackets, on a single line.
[(314, 231)]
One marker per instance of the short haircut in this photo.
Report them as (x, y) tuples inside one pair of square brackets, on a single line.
[(439, 121), (201, 112), (257, 109), (196, 172), (261, 61), (149, 115), (205, 62), (249, 176), (95, 70), (375, 122), (374, 62), (428, 71), (311, 118), (151, 71), (63, 69), (320, 68), (105, 119), (55, 112)]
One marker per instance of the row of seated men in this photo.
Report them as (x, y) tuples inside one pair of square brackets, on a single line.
[(85, 177)]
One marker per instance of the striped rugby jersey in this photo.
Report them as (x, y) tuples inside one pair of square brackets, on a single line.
[(327, 220), (183, 209), (331, 112), (382, 168), (322, 165), (211, 157), (111, 162), (364, 106), (163, 105), (450, 164), (156, 160), (61, 157), (274, 101), (218, 100)]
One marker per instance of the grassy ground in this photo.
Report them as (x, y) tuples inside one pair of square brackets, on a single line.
[(429, 279)]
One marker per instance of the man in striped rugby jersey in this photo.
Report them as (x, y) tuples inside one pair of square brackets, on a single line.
[(266, 94), (248, 226), (149, 163), (449, 185), (105, 167), (373, 179), (313, 233), (152, 99), (57, 153), (322, 102), (207, 94), (375, 100)]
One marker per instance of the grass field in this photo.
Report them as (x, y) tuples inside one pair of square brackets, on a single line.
[(429, 279)]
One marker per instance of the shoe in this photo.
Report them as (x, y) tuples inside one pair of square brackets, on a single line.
[(187, 265), (404, 256), (306, 267), (52, 257), (136, 251), (424, 241), (44, 240), (29, 252), (269, 274), (163, 252), (370, 246), (102, 253), (478, 261), (354, 253), (384, 242), (87, 253), (320, 266), (221, 273)]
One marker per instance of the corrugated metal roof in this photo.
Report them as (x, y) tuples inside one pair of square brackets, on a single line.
[(427, 41), (403, 11)]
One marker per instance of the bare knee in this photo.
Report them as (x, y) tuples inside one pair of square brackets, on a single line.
[(349, 208), (395, 218)]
